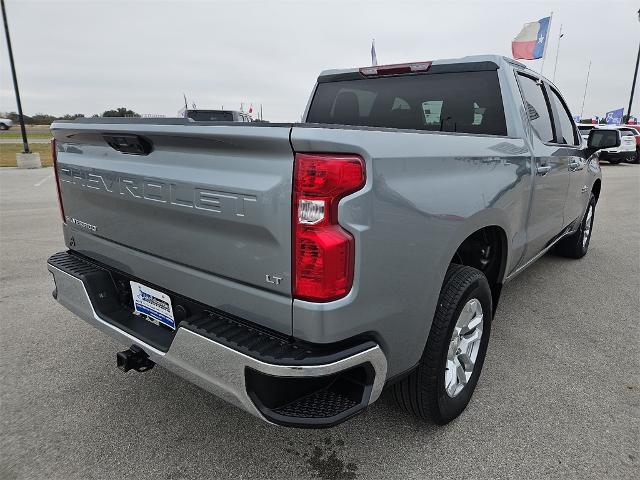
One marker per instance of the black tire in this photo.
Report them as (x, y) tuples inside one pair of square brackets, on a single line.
[(423, 392), (574, 245), (3, 126), (614, 162), (636, 158)]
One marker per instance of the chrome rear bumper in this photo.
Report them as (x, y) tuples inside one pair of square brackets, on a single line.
[(215, 367)]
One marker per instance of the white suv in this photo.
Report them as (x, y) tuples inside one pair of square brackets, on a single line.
[(635, 131), (626, 152)]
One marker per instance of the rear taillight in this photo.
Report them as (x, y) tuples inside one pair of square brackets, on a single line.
[(54, 155), (323, 251)]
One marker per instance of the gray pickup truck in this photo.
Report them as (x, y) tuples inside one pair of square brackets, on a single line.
[(296, 270)]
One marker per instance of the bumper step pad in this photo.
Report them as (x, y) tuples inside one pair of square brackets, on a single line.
[(323, 404)]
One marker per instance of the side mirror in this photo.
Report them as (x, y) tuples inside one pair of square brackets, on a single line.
[(603, 139)]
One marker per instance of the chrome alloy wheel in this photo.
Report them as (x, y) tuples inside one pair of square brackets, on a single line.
[(587, 226), (463, 348)]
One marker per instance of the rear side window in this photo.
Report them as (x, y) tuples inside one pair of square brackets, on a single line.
[(567, 127), (536, 104), (465, 102)]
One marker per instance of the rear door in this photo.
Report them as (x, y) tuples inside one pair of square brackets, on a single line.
[(550, 167), (570, 145)]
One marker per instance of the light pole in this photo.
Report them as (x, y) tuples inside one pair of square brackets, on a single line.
[(635, 77), (15, 80)]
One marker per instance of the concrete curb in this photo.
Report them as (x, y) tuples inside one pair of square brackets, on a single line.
[(28, 160)]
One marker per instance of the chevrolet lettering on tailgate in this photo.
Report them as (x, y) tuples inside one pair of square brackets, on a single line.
[(159, 191)]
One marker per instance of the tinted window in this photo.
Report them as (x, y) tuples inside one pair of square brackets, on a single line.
[(536, 105), (468, 102), (626, 133), (210, 115), (567, 128), (603, 138)]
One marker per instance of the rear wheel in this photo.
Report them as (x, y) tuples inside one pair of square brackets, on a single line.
[(3, 126), (441, 386), (577, 244)]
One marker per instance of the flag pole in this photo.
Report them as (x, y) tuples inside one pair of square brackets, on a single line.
[(544, 52), (557, 53), (585, 90)]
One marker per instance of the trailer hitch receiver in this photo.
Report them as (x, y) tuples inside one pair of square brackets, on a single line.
[(135, 358)]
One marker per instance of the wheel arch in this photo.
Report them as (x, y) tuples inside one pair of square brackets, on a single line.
[(595, 189), (485, 249)]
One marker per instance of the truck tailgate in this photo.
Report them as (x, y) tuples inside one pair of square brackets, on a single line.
[(211, 200)]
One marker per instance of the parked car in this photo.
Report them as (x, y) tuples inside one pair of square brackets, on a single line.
[(626, 151), (218, 116), (296, 270), (633, 130), (585, 128), (5, 123)]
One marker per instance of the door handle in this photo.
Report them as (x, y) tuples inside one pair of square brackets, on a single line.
[(574, 165), (543, 169)]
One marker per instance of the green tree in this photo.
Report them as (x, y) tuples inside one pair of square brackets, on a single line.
[(41, 119), (13, 116), (120, 112), (71, 116)]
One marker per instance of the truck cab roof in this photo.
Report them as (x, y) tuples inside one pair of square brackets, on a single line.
[(497, 60)]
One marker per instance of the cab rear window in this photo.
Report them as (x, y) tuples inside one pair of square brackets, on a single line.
[(465, 102)]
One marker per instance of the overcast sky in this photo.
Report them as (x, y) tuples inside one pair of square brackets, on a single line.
[(89, 56)]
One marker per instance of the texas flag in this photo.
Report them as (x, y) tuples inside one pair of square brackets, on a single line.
[(530, 42)]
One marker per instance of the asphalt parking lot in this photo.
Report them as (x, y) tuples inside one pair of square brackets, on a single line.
[(559, 395)]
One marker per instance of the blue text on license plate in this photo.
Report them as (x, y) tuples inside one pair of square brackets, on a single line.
[(152, 303)]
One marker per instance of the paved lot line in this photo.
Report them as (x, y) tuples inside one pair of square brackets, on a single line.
[(43, 180)]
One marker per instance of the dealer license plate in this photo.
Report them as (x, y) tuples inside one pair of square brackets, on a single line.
[(154, 305)]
